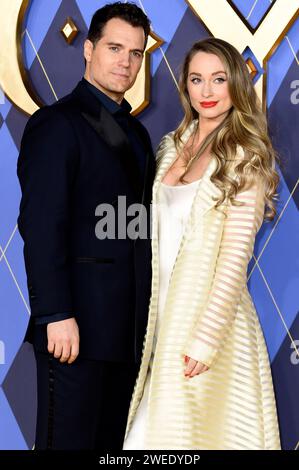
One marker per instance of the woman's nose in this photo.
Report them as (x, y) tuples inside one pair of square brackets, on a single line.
[(206, 89)]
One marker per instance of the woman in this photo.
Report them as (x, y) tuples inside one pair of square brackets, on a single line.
[(205, 379)]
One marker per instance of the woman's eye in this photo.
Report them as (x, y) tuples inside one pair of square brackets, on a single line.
[(195, 80), (220, 80)]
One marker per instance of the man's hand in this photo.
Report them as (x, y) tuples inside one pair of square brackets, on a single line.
[(63, 339), (194, 367)]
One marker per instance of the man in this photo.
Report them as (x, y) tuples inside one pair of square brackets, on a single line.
[(88, 296)]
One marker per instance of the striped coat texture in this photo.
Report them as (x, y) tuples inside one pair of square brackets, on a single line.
[(209, 316)]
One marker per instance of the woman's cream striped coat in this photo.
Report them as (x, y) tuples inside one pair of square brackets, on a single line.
[(209, 316)]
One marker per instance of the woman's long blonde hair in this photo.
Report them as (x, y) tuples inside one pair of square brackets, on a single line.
[(245, 125)]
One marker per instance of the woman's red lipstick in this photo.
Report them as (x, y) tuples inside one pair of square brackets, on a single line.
[(208, 104)]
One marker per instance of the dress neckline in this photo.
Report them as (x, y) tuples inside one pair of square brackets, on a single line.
[(180, 185)]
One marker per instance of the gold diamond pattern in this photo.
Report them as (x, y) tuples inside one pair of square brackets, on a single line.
[(252, 68), (69, 30)]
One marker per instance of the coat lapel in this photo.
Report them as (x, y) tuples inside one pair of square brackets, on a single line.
[(205, 197), (207, 192)]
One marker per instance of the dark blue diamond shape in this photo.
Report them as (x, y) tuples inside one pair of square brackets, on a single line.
[(252, 12), (64, 64), (250, 58), (16, 121), (19, 387), (286, 384)]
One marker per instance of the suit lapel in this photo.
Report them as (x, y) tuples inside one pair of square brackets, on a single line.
[(110, 132), (108, 129)]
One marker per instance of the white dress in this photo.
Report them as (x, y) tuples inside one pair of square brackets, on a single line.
[(174, 205)]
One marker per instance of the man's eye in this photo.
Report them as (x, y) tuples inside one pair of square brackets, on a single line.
[(114, 48), (137, 54)]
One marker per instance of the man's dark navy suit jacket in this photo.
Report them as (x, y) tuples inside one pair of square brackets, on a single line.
[(75, 156)]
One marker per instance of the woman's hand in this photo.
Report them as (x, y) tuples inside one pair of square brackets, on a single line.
[(194, 367)]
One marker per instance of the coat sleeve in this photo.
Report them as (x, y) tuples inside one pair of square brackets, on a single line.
[(46, 170), (230, 275)]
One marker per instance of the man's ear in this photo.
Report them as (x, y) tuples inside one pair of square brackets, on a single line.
[(88, 48)]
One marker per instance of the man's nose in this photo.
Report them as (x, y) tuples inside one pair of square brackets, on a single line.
[(125, 59)]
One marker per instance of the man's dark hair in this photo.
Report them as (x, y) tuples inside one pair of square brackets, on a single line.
[(128, 12)]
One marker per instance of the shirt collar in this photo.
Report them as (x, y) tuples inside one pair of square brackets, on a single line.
[(109, 104)]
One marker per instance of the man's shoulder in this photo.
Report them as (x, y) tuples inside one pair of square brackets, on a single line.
[(60, 107), (56, 114), (51, 125), (141, 129)]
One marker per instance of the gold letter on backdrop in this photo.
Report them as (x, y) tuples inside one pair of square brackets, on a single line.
[(13, 77), (227, 25)]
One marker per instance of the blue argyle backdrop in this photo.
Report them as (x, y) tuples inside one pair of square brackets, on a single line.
[(54, 68)]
